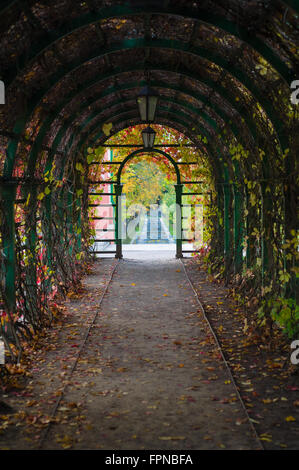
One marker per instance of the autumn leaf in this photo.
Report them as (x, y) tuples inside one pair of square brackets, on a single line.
[(106, 128), (172, 438), (66, 441), (290, 418)]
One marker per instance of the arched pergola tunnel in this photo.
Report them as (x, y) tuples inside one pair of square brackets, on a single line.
[(223, 71)]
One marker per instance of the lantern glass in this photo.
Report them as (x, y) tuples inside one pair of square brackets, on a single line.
[(147, 103), (148, 137), (151, 108), (141, 101)]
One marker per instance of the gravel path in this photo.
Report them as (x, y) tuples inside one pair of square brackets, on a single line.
[(148, 376), (158, 378)]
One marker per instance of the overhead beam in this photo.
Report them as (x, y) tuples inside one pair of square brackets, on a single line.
[(118, 11), (198, 96), (22, 121)]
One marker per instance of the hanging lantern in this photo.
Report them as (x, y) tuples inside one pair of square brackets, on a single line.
[(147, 103), (148, 137)]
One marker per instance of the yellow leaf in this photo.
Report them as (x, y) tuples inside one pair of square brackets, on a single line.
[(290, 418), (106, 128), (245, 326), (172, 438)]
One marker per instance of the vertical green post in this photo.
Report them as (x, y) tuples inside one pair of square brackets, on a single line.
[(238, 229), (227, 247), (78, 223), (178, 200), (62, 216), (118, 221), (290, 226), (30, 190), (264, 251), (8, 194), (48, 220), (69, 219), (248, 234), (220, 219)]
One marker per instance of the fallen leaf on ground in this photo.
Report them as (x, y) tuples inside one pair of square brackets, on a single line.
[(172, 438), (290, 418)]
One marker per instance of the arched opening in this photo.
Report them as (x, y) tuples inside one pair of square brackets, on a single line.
[(148, 209), (157, 217), (157, 214)]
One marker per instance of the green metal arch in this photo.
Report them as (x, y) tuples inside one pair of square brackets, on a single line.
[(81, 143), (90, 139), (205, 132), (94, 113), (97, 113), (96, 125), (21, 122), (215, 160), (185, 123), (124, 10), (137, 152), (46, 124), (292, 4), (212, 123)]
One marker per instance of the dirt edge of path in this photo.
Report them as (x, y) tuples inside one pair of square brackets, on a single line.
[(267, 383)]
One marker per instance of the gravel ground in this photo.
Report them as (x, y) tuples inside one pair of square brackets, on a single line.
[(149, 376)]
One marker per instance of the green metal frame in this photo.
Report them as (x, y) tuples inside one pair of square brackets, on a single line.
[(207, 147), (8, 194), (8, 191), (142, 43), (178, 188), (222, 172), (128, 10), (46, 125)]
